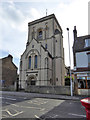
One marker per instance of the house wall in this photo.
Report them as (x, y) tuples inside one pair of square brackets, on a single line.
[(9, 72), (81, 59)]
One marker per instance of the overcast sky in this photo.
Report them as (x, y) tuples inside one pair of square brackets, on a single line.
[(15, 15)]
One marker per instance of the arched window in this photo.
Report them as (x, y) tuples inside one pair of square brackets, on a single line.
[(40, 34), (29, 62), (35, 64)]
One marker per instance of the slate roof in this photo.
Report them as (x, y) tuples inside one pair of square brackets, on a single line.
[(79, 44)]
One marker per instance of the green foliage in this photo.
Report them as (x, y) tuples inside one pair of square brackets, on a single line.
[(67, 80), (69, 77)]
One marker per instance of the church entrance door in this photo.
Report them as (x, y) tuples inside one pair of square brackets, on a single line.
[(31, 80)]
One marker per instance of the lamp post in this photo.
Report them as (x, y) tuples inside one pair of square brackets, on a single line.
[(70, 63)]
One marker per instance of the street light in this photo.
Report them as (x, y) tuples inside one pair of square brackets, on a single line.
[(70, 63)]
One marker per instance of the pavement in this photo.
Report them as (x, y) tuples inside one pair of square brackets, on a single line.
[(38, 95)]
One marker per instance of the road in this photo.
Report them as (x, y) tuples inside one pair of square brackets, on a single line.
[(41, 108)]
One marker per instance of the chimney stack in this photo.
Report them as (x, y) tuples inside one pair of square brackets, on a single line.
[(75, 33), (10, 57)]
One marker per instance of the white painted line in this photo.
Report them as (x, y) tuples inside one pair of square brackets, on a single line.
[(9, 113), (41, 109), (10, 98), (77, 115), (38, 117), (8, 103), (14, 114)]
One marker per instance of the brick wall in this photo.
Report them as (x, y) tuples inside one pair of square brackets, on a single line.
[(9, 71)]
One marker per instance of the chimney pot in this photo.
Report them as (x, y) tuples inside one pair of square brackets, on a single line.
[(74, 27)]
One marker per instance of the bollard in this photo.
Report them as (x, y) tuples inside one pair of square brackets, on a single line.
[(86, 103)]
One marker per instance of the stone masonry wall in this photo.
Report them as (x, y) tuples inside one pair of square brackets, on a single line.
[(62, 90)]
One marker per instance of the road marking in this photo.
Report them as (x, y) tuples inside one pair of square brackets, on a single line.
[(37, 102), (14, 114), (15, 105), (77, 115), (41, 109), (38, 117), (9, 113), (53, 116), (8, 98)]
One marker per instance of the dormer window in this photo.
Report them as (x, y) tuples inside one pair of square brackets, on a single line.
[(87, 43)]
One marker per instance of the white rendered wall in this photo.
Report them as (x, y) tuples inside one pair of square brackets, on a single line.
[(81, 59)]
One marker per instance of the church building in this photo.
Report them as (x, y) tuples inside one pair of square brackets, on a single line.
[(42, 63)]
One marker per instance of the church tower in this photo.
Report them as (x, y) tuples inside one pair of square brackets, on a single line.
[(42, 63)]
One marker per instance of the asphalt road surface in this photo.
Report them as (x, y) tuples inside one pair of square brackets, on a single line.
[(40, 108)]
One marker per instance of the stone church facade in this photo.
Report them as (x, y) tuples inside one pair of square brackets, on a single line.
[(42, 63)]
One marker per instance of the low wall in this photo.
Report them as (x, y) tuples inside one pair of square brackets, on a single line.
[(10, 88), (62, 90), (84, 92)]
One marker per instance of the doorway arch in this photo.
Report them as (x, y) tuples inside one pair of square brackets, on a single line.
[(31, 80)]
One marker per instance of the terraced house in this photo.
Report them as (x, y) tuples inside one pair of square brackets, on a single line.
[(81, 52), (8, 76), (42, 62)]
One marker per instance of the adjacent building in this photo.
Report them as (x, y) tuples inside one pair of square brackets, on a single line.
[(42, 63), (81, 52), (8, 76)]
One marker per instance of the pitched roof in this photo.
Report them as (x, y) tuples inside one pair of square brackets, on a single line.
[(47, 51), (9, 57), (79, 44)]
